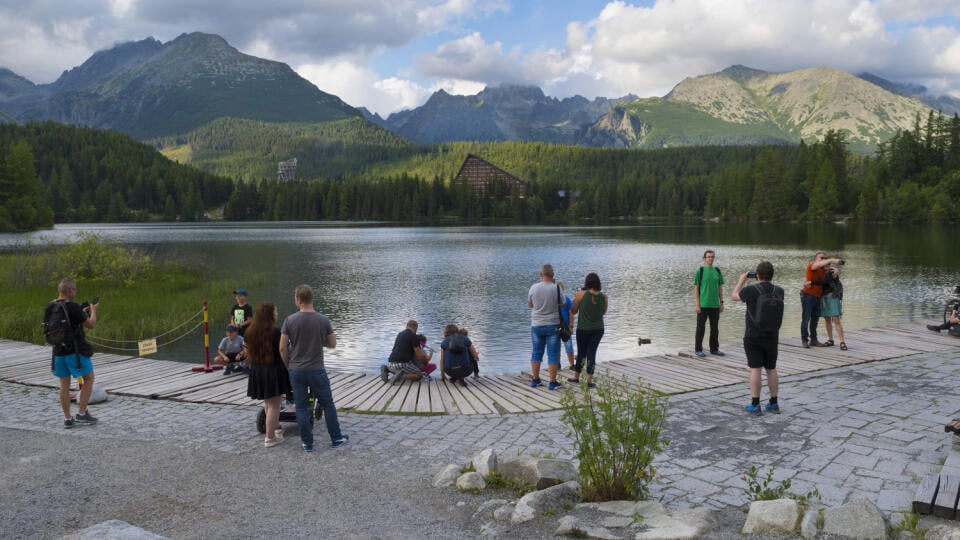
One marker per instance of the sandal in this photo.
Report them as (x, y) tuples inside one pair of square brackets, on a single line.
[(574, 381), (828, 343), (843, 346)]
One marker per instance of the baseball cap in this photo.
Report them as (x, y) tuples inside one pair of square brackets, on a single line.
[(232, 328), (240, 291)]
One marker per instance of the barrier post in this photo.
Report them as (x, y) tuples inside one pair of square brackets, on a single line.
[(206, 367)]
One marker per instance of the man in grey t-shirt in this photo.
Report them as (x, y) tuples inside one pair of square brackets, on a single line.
[(544, 326), (302, 339)]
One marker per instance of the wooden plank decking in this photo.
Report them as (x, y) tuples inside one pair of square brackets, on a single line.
[(26, 363)]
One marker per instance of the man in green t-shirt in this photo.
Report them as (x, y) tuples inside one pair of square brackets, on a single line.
[(708, 303)]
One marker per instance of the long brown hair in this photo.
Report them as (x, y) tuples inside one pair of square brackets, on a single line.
[(259, 337)]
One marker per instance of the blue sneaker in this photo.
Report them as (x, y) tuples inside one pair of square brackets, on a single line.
[(307, 447), (554, 385), (340, 442), (754, 409), (699, 354), (772, 408), (535, 383)]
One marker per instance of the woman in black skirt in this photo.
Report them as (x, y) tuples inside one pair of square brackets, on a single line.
[(269, 379)]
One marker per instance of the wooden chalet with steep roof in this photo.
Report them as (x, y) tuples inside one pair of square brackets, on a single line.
[(483, 177)]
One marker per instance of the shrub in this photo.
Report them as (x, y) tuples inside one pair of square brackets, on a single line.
[(616, 429), (764, 489)]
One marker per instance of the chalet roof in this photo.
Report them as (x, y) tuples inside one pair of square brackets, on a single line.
[(480, 173)]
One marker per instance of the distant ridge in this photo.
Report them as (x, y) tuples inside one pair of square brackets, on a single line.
[(149, 89)]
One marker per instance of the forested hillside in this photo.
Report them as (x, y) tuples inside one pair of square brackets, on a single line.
[(915, 177), (90, 175), (95, 175), (250, 149)]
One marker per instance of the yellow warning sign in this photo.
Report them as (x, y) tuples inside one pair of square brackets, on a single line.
[(147, 346)]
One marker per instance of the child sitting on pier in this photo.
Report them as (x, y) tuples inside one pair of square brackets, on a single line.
[(228, 352), (426, 366)]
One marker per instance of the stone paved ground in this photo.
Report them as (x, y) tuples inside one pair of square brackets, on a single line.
[(871, 430)]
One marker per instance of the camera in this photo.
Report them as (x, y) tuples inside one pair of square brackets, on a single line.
[(752, 275)]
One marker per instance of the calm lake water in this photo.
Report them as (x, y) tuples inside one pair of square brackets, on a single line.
[(370, 280)]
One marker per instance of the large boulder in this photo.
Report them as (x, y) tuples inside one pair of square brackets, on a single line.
[(657, 522), (571, 526), (471, 481), (538, 473), (447, 476), (859, 519), (485, 462), (779, 516), (553, 498), (113, 528)]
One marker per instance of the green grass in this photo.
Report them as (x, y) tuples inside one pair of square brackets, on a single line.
[(152, 301)]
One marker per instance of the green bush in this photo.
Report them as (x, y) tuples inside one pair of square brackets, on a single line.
[(616, 429)]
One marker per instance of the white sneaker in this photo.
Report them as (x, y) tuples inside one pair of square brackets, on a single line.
[(278, 433), (268, 442)]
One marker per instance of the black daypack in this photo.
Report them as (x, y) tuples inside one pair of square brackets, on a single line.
[(57, 330), (457, 344), (767, 314)]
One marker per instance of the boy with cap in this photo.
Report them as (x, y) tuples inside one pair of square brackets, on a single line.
[(242, 313)]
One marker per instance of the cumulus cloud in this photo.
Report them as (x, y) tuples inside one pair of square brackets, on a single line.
[(622, 47), (472, 58)]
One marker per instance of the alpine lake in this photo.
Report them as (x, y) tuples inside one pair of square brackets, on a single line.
[(370, 279)]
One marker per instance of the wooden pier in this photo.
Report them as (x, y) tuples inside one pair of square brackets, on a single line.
[(29, 364)]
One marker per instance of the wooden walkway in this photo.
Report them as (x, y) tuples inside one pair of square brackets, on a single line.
[(26, 363)]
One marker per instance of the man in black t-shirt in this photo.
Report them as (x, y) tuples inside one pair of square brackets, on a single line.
[(73, 359), (760, 345), (405, 356)]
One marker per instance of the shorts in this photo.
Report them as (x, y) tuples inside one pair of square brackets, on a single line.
[(761, 352), (66, 366)]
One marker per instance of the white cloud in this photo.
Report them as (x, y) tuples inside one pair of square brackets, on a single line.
[(471, 58), (438, 17)]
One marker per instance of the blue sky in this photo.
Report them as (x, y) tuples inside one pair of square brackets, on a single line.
[(388, 55)]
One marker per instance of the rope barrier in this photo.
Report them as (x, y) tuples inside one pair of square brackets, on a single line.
[(181, 325), (99, 342)]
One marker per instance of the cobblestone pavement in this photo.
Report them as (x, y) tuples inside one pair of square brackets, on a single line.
[(866, 431)]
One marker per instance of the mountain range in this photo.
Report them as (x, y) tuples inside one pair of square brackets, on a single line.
[(150, 89)]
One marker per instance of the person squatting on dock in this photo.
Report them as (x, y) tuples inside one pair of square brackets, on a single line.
[(406, 357), (73, 358), (762, 332)]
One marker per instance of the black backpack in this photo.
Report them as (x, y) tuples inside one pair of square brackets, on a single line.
[(700, 274), (768, 312), (457, 344), (57, 330)]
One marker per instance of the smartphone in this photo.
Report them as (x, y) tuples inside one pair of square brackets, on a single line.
[(96, 300), (752, 275)]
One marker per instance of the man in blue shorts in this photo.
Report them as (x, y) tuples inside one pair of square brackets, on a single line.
[(73, 359), (544, 327)]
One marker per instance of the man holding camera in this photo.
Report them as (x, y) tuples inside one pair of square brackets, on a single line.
[(761, 334), (73, 359), (810, 298)]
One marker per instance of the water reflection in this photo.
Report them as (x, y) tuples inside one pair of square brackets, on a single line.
[(370, 280)]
